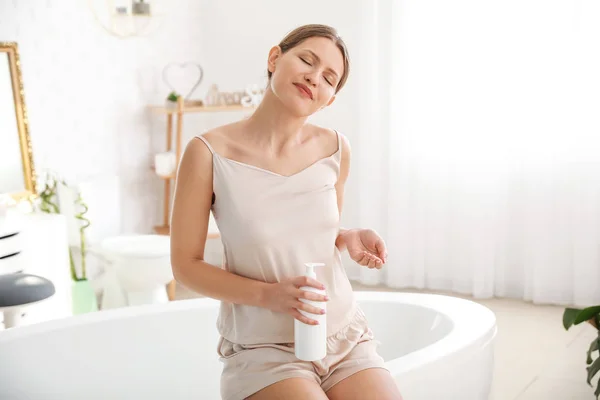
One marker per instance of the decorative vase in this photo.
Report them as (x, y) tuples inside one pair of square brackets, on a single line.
[(171, 105), (83, 298)]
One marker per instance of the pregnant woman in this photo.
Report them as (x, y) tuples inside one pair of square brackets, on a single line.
[(275, 185)]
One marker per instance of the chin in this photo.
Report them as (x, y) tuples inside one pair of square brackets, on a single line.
[(301, 112), (299, 106)]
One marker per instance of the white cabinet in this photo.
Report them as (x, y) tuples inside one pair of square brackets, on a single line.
[(44, 250)]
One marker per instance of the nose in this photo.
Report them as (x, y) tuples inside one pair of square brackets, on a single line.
[(311, 79)]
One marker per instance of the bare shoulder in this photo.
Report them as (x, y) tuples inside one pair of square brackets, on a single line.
[(197, 157), (223, 137), (330, 139)]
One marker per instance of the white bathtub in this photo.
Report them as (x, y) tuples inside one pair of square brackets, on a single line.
[(437, 347)]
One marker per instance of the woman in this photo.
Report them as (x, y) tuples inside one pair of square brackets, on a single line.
[(275, 185)]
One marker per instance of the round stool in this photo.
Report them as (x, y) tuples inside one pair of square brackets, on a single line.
[(21, 290)]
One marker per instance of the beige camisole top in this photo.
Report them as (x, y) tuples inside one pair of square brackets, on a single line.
[(271, 225)]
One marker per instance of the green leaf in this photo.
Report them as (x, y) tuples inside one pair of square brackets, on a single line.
[(173, 96), (592, 370), (586, 314), (597, 391), (569, 317), (593, 347)]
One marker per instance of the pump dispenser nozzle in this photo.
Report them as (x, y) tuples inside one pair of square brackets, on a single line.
[(310, 269)]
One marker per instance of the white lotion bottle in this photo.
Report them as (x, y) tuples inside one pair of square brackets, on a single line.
[(310, 341)]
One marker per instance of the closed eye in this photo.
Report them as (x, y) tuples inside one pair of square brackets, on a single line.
[(328, 81), (305, 62)]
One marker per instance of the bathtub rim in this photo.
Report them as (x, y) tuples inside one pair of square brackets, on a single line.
[(473, 328), (474, 325)]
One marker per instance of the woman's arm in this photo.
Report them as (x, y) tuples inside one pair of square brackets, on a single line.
[(189, 227)]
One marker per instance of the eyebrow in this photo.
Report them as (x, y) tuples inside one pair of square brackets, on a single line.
[(318, 59)]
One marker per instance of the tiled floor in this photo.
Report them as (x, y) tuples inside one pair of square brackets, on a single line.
[(535, 358)]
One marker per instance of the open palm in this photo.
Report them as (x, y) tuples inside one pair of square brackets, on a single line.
[(366, 248)]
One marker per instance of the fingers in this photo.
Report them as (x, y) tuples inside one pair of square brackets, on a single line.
[(309, 308), (369, 260), (303, 294), (364, 258), (371, 264), (300, 317), (307, 281), (299, 307)]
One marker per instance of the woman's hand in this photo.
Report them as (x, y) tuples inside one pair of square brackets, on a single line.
[(285, 297), (365, 247)]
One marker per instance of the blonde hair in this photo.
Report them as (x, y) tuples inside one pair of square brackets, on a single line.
[(300, 34)]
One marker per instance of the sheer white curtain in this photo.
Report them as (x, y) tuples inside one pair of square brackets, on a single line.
[(479, 149)]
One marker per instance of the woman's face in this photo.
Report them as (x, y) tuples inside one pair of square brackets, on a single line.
[(306, 76)]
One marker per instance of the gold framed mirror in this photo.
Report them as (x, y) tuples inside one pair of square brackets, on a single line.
[(17, 172)]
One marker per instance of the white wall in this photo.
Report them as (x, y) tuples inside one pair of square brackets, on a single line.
[(86, 91)]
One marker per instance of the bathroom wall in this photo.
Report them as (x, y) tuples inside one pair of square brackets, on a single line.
[(87, 91)]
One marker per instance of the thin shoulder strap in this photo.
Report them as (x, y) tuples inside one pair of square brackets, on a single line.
[(206, 143), (339, 138)]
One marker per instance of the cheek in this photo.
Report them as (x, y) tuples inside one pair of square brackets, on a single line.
[(283, 76), (278, 81), (286, 69), (326, 93)]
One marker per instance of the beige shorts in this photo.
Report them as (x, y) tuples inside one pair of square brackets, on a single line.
[(250, 368)]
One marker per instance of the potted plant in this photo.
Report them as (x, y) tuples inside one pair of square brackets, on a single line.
[(591, 315), (172, 99), (83, 295)]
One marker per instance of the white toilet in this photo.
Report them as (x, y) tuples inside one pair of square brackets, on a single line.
[(138, 270)]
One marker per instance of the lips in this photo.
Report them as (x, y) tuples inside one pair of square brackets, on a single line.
[(304, 90)]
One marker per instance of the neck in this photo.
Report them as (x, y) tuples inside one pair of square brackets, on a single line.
[(273, 124)]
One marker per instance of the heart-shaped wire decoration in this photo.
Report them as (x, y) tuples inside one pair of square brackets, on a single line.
[(182, 66)]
